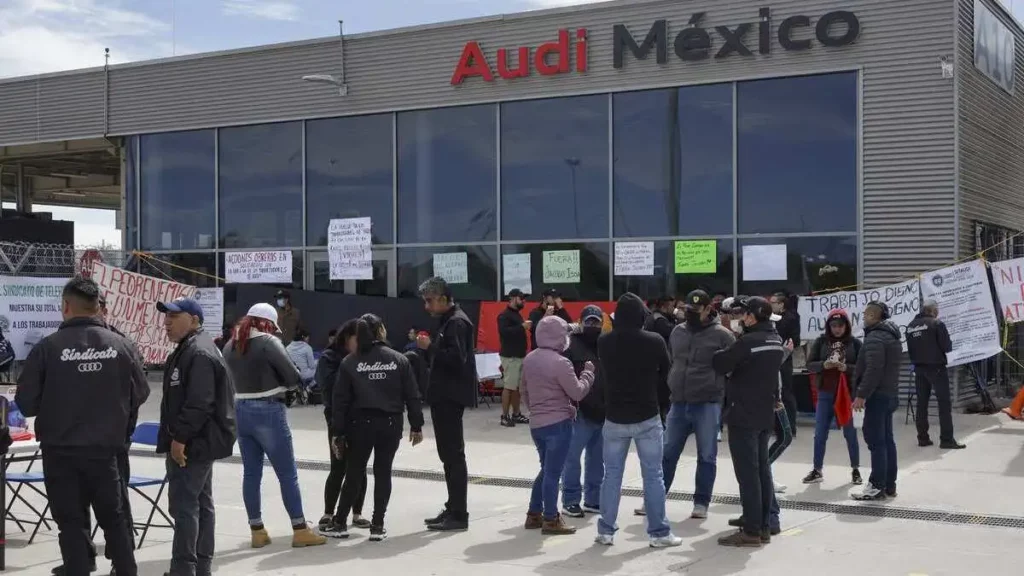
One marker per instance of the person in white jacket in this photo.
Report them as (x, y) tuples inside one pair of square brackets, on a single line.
[(301, 354)]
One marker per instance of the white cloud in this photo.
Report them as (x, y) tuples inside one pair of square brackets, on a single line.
[(264, 9)]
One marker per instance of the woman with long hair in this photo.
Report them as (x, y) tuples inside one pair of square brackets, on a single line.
[(375, 385), (263, 376), (344, 343)]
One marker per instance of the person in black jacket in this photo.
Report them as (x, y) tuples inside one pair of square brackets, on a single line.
[(876, 389), (587, 430), (753, 363), (635, 364), (197, 428), (84, 384), (375, 384), (789, 330), (343, 344), (512, 335), (551, 303), (453, 387), (928, 342)]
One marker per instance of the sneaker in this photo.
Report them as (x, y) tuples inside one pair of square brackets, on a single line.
[(925, 442), (325, 521), (437, 519), (604, 539), (534, 521), (641, 511), (868, 493), (856, 478), (700, 512), (736, 522), (669, 541), (378, 533), (815, 477), (573, 511), (360, 522), (557, 527), (449, 524), (740, 539), (591, 508), (951, 445), (779, 488), (507, 421), (520, 419), (259, 538), (305, 537), (335, 530)]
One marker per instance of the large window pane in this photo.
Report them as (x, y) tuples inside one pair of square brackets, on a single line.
[(191, 269), (588, 281), (798, 154), (417, 264), (812, 265), (378, 286), (261, 186), (667, 282), (674, 162), (447, 175), (349, 174), (177, 190), (554, 168)]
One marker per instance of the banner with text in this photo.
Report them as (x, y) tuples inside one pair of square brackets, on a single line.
[(131, 307), (350, 249), (30, 309), (964, 295), (1008, 277), (903, 301), (262, 267)]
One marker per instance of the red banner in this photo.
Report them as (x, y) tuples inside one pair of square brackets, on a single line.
[(131, 307), (487, 325)]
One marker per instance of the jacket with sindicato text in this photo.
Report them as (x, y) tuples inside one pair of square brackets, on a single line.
[(928, 341), (381, 381), (752, 363)]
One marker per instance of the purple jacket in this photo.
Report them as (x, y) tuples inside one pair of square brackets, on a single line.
[(549, 381)]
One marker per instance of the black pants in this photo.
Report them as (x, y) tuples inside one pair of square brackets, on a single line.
[(929, 379), (74, 482), (749, 449), (124, 469), (332, 488), (451, 449), (190, 503), (379, 435), (788, 396)]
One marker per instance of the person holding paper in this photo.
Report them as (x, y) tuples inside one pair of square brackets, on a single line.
[(512, 335), (928, 342)]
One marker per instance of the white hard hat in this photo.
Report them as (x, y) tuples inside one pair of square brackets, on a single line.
[(264, 311)]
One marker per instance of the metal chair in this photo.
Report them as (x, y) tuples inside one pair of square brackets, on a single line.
[(146, 435)]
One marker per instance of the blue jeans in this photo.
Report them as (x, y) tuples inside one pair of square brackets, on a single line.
[(823, 418), (586, 437), (878, 435), (701, 419), (649, 446), (552, 444), (263, 430)]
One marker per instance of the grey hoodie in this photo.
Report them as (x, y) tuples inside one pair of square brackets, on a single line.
[(692, 378), (879, 362)]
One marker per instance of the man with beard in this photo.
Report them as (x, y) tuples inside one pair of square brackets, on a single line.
[(551, 303), (512, 335), (586, 440)]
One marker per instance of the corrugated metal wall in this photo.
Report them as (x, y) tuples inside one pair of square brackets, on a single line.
[(908, 165)]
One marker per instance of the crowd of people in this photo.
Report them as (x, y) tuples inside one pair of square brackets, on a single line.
[(655, 375)]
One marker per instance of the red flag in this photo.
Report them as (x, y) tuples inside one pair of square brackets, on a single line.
[(844, 404)]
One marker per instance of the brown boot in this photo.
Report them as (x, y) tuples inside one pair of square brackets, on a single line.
[(303, 537), (740, 539), (534, 521), (259, 538), (557, 527)]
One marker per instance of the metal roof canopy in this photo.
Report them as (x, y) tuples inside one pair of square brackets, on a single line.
[(78, 173)]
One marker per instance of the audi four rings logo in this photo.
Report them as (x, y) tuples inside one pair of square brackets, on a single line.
[(377, 375), (90, 366)]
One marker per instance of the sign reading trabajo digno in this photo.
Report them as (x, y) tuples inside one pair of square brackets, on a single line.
[(693, 43)]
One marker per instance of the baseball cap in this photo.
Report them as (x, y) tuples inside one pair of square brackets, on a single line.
[(264, 311), (282, 294), (698, 298), (590, 312), (515, 293), (179, 305), (552, 292)]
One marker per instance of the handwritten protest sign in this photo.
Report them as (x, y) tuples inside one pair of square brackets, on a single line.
[(212, 302), (903, 301), (964, 295), (30, 309), (562, 267), (1008, 277), (263, 267), (453, 267), (515, 270), (696, 256), (634, 258), (350, 249), (131, 307)]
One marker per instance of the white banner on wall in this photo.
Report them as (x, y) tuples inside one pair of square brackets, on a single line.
[(453, 267), (1008, 277), (634, 258), (212, 301), (30, 309), (902, 299), (516, 273), (350, 249), (258, 267), (964, 296)]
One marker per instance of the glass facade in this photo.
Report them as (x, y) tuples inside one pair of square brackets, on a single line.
[(533, 194)]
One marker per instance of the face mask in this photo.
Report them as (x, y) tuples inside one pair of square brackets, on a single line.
[(281, 303), (591, 333), (736, 325), (692, 317), (519, 306)]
